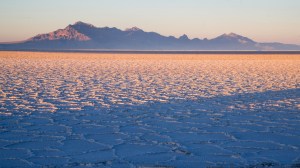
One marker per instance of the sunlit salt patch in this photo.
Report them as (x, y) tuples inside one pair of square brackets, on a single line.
[(87, 104), (74, 108), (138, 101), (33, 95), (45, 109), (11, 98), (5, 113), (105, 105), (2, 95)]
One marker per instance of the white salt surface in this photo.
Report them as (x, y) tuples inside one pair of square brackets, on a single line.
[(109, 110)]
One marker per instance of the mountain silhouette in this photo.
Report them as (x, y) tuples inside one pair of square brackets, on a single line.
[(86, 36)]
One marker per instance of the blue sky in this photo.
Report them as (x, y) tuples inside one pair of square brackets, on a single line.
[(261, 20)]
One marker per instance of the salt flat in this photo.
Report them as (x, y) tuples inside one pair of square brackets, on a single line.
[(151, 110)]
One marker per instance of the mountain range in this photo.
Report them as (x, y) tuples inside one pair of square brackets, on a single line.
[(83, 36)]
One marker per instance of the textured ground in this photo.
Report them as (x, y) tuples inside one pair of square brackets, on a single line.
[(110, 110)]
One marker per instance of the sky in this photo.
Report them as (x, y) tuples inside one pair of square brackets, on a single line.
[(260, 20)]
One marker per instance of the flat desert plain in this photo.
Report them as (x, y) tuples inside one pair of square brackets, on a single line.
[(149, 110)]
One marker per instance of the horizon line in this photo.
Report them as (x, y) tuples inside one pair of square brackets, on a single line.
[(158, 51)]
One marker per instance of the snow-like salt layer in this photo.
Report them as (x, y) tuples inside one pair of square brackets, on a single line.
[(110, 110)]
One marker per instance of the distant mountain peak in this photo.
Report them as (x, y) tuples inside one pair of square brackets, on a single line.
[(234, 37), (80, 23), (133, 29), (69, 33), (184, 37), (230, 35)]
